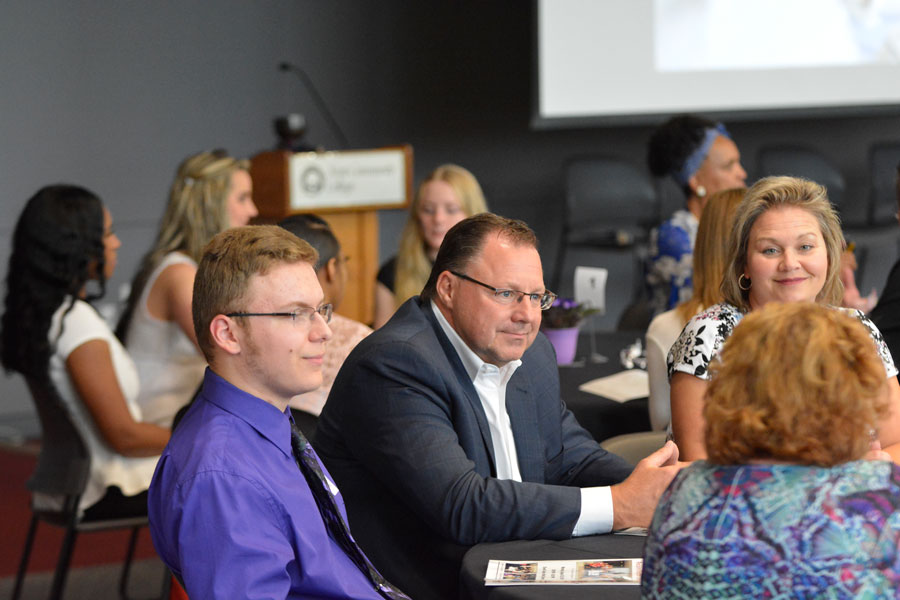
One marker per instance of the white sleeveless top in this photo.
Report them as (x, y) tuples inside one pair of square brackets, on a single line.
[(169, 365), (83, 324)]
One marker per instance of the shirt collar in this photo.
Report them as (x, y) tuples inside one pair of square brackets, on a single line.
[(267, 420), (472, 363)]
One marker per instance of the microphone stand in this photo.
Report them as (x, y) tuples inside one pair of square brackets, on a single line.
[(311, 88)]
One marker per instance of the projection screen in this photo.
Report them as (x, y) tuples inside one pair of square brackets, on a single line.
[(600, 61)]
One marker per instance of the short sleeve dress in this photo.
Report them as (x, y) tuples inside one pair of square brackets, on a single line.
[(703, 337)]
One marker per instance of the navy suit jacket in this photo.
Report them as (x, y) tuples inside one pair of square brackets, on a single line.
[(405, 436)]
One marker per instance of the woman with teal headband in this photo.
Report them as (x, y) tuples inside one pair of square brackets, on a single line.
[(701, 157)]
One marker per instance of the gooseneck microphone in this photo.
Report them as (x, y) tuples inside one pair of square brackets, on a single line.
[(311, 88)]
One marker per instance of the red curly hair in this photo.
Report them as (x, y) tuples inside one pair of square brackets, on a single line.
[(795, 382)]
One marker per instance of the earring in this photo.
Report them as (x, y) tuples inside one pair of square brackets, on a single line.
[(701, 191), (741, 280)]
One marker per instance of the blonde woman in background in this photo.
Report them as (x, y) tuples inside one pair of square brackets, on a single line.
[(212, 192), (448, 195), (710, 261)]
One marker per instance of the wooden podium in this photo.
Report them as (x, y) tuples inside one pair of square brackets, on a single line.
[(346, 189)]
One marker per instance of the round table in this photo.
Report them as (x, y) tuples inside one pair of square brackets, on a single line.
[(603, 418)]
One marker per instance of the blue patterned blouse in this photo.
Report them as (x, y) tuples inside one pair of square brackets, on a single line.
[(776, 531), (671, 261)]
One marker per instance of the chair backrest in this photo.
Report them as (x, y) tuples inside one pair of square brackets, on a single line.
[(877, 248), (663, 331), (634, 447), (803, 162), (883, 161), (636, 316), (64, 463), (611, 205), (609, 202)]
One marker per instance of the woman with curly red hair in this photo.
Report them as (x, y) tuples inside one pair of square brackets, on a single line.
[(785, 506)]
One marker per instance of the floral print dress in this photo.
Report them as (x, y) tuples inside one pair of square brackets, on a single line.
[(702, 338)]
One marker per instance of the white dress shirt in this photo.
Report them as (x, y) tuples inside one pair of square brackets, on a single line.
[(490, 383)]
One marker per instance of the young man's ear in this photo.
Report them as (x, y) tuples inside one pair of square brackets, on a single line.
[(224, 334)]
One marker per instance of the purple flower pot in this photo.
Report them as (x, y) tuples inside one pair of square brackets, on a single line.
[(565, 342)]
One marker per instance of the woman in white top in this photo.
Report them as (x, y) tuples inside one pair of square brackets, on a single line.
[(64, 250), (211, 192), (710, 253)]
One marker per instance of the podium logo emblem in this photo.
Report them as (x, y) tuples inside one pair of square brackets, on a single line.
[(312, 180)]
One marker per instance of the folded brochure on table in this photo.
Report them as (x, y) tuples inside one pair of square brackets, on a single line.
[(621, 387), (600, 571)]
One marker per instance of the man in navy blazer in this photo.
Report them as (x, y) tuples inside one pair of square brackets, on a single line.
[(445, 427)]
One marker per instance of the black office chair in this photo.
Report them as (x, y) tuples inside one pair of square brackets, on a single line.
[(610, 207), (807, 163), (883, 160), (62, 471), (878, 239)]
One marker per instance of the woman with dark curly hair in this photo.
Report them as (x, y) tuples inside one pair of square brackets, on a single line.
[(700, 156), (785, 506), (63, 248)]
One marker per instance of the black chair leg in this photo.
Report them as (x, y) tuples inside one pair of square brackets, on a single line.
[(26, 555), (62, 564), (167, 584), (126, 568)]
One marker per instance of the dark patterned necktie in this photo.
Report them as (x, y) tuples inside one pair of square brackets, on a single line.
[(331, 514)]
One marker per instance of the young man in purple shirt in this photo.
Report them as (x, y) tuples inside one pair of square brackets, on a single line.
[(231, 512)]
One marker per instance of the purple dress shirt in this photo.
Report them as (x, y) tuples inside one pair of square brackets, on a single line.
[(231, 514)]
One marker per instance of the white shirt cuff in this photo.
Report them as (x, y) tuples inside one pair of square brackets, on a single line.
[(596, 512)]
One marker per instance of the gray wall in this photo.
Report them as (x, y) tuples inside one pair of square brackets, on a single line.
[(112, 95)]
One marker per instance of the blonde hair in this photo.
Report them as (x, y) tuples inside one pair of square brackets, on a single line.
[(197, 210), (711, 251), (413, 266), (776, 192), (796, 382), (229, 261)]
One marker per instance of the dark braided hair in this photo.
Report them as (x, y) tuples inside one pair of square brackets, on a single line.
[(57, 247), (673, 142)]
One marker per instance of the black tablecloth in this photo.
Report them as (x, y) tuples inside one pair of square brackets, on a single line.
[(596, 546), (603, 418)]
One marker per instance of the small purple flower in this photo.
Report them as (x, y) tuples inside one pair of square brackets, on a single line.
[(564, 312)]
